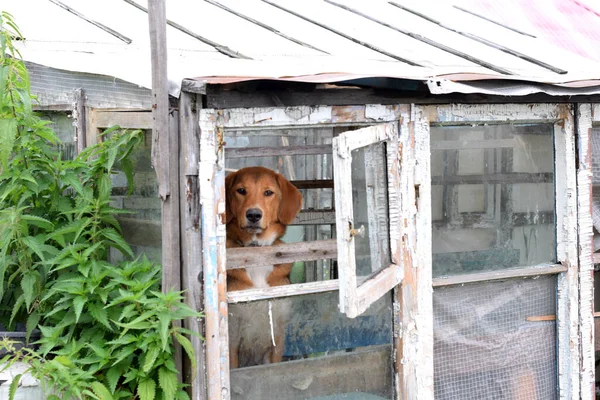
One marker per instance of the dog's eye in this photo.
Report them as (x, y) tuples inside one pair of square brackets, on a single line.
[(241, 191), (268, 193)]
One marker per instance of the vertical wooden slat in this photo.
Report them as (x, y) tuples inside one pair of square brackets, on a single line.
[(79, 119), (414, 360), (566, 238), (212, 200), (586, 248), (191, 271)]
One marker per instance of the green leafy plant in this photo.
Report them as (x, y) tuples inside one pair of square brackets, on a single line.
[(107, 331)]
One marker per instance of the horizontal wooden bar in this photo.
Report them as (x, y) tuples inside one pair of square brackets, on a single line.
[(547, 269), (313, 184), (367, 370), (124, 119), (508, 178), (297, 289), (244, 152), (245, 257), (315, 217)]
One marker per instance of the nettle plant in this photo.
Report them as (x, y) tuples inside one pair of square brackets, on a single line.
[(107, 331)]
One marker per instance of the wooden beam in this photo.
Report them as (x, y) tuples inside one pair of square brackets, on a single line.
[(358, 372), (246, 257), (191, 268), (193, 86), (79, 119), (244, 152), (500, 274), (297, 289)]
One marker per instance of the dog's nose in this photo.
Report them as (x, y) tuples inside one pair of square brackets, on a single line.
[(253, 215)]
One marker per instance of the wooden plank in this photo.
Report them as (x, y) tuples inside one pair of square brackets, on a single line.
[(238, 96), (193, 86), (500, 274), (373, 288), (502, 178), (356, 372), (124, 119), (313, 184), (79, 119), (568, 356), (243, 152), (260, 118), (212, 200), (297, 289), (191, 268), (415, 343), (315, 217), (246, 257), (586, 248)]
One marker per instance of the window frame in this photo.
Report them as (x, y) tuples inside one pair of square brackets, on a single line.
[(356, 297)]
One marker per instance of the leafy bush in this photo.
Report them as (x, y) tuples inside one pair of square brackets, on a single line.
[(107, 330)]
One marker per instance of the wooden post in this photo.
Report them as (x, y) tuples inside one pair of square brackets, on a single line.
[(165, 152), (192, 272), (586, 248), (79, 119)]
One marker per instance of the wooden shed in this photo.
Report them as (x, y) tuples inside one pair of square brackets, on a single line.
[(445, 153)]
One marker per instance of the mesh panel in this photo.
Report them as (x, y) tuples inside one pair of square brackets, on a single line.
[(484, 346)]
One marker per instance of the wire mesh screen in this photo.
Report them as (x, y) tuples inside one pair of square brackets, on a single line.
[(490, 342)]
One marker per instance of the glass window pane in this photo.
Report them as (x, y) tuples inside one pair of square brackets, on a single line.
[(492, 197), (325, 353), (370, 207), (488, 343)]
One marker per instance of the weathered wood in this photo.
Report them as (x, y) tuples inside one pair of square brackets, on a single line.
[(157, 21), (124, 119), (538, 270), (297, 289), (79, 119), (586, 248), (193, 86), (414, 354), (312, 96), (314, 184), (356, 372), (246, 257), (595, 111), (259, 118), (315, 217), (191, 251), (501, 178), (352, 300), (243, 152), (566, 238), (212, 200)]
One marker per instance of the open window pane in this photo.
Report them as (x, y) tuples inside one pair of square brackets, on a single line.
[(492, 197), (366, 172), (370, 205)]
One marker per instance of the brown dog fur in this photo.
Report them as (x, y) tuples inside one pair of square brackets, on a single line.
[(258, 188)]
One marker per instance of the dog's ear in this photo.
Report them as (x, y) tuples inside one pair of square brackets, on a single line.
[(291, 201), (229, 180)]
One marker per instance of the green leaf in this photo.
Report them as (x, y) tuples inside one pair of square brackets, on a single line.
[(167, 381), (112, 377), (28, 284), (38, 221), (99, 314), (78, 303), (32, 321), (150, 358), (8, 134), (117, 241), (182, 395), (101, 391), (164, 322), (12, 391), (189, 350), (36, 244), (147, 389)]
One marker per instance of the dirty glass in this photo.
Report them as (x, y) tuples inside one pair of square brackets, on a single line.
[(62, 124), (142, 227), (325, 354), (370, 208), (492, 197)]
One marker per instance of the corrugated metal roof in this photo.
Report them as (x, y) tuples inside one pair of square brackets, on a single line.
[(452, 45)]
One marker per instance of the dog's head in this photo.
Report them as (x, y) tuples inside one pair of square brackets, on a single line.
[(258, 197)]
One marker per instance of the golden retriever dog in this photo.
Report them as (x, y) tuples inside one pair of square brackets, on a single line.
[(260, 205)]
